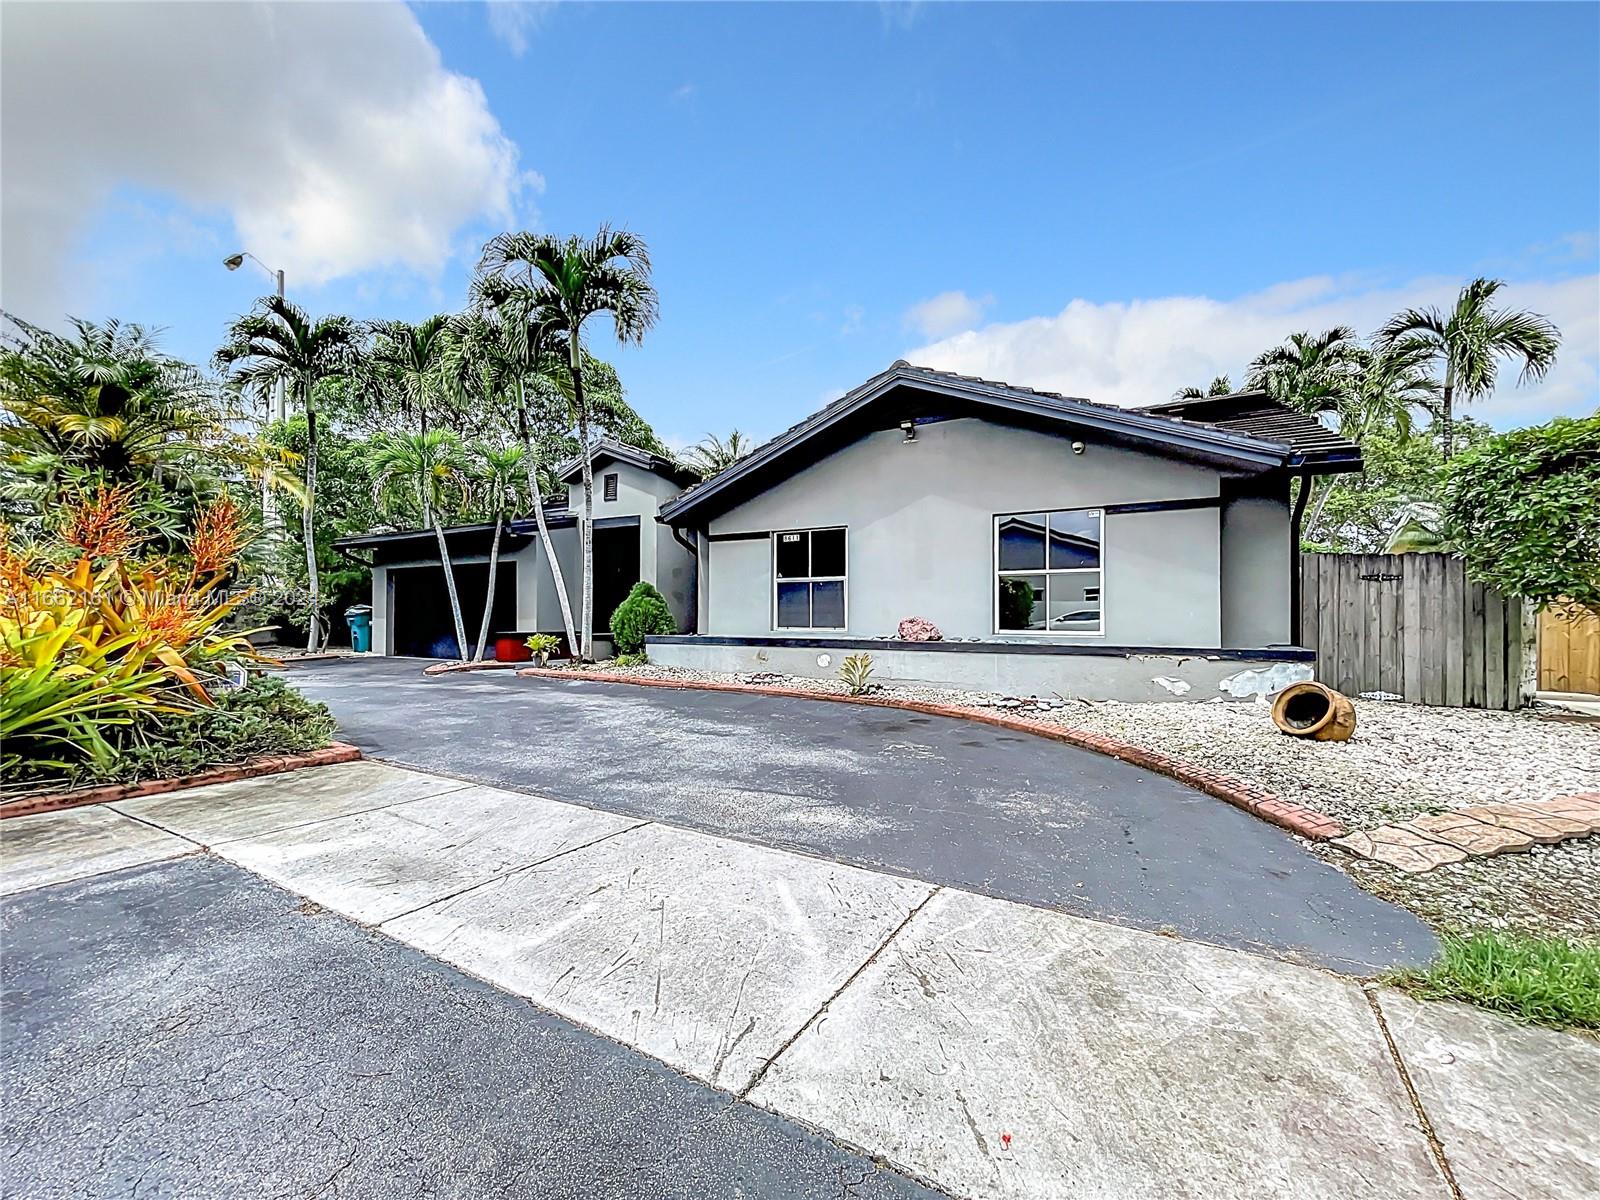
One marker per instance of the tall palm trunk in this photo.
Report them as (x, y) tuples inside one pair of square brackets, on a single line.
[(586, 526), (432, 518), (530, 460), (1446, 428), (494, 567), (308, 515)]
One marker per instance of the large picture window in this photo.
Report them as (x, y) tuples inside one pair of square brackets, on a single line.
[(808, 571), (1048, 571)]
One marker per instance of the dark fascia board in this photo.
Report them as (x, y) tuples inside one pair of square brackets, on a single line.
[(528, 527), (362, 540), (1092, 649), (633, 456), (1247, 451), (517, 527)]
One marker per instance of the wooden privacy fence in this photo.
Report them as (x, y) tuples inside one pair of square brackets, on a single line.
[(1569, 651), (1412, 625)]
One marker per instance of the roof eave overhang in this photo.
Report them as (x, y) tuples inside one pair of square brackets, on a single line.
[(366, 541), (1210, 443)]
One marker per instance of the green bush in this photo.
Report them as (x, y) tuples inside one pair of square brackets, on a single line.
[(632, 660), (1545, 980), (263, 719), (643, 613)]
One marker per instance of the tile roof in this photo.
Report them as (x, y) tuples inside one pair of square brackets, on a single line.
[(1258, 415)]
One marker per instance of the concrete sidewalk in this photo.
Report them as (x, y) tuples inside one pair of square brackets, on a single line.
[(986, 1047)]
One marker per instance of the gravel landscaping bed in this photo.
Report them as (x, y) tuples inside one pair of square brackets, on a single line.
[(1404, 760)]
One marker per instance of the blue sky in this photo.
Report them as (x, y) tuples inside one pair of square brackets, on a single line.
[(1108, 200)]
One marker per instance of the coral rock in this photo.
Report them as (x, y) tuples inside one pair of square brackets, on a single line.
[(919, 629)]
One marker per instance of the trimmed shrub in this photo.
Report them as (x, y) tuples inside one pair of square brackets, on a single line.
[(643, 613)]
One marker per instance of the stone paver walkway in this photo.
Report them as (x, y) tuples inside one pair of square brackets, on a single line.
[(1423, 843), (991, 1048)]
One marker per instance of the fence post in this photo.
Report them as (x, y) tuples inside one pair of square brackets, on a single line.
[(1528, 675)]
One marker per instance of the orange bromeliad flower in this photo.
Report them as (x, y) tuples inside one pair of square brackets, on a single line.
[(219, 536), (101, 525)]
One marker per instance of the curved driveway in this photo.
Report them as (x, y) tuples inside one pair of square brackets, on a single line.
[(938, 799)]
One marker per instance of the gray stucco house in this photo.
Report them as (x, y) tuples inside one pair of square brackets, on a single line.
[(1061, 546), (410, 607)]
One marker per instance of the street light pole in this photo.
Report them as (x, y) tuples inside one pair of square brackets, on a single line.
[(278, 407)]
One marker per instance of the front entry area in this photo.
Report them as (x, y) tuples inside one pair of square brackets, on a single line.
[(420, 623), (616, 569)]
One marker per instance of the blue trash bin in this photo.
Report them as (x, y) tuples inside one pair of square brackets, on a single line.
[(359, 618)]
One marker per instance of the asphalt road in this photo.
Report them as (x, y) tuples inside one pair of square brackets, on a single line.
[(937, 799), (187, 1029)]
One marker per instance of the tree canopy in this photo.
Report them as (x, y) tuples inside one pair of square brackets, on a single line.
[(1523, 509)]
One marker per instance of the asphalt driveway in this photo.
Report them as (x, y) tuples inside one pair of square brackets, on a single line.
[(936, 799)]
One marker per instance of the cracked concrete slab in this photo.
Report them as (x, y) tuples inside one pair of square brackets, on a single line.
[(1516, 1108), (1004, 1052), (53, 847), (706, 953), (376, 865), (250, 807)]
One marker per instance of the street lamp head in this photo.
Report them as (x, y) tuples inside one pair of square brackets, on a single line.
[(233, 262)]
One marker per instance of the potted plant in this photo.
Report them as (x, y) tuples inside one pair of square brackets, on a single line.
[(543, 646)]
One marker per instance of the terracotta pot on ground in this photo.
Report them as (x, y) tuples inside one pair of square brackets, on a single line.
[(1314, 710)]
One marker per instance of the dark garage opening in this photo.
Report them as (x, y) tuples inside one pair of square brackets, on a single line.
[(420, 624)]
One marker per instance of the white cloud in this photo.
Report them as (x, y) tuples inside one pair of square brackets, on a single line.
[(946, 313), (330, 134), (1141, 351), (513, 22)]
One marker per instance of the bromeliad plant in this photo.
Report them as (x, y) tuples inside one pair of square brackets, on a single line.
[(92, 638)]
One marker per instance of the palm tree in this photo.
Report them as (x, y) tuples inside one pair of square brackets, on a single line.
[(1220, 386), (571, 280), (1471, 339), (428, 469), (503, 355), (501, 484), (1391, 383), (711, 455), (107, 405), (407, 365), (1314, 373), (278, 342)]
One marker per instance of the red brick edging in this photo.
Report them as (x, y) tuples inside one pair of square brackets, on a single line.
[(488, 664), (55, 801), (1296, 818)]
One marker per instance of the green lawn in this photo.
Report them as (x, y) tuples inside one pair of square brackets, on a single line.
[(1543, 980)]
